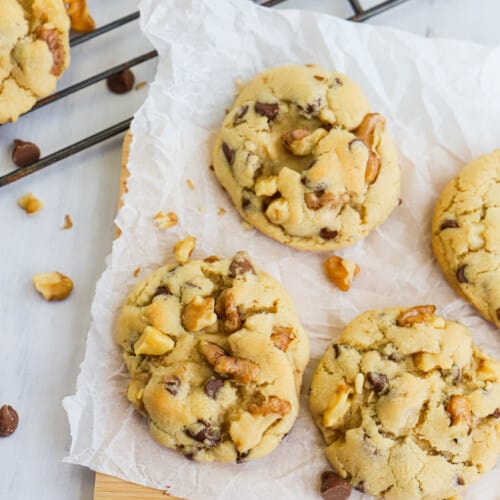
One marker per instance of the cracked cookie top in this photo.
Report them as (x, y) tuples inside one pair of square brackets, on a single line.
[(33, 54), (466, 234), (305, 161), (409, 407), (216, 354)]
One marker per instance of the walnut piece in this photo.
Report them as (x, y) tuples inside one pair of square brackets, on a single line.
[(301, 142), (199, 314), (153, 342), (369, 132), (273, 404), (341, 272), (281, 337), (53, 286), (81, 20), (226, 309), (417, 314), (278, 211), (54, 42), (316, 200), (184, 248), (337, 407), (460, 411), (242, 370), (488, 370), (266, 186), (30, 204), (164, 220)]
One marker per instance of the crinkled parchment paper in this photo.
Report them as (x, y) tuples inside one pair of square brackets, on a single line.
[(442, 102)]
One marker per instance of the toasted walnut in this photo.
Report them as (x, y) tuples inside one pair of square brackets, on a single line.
[(417, 314), (226, 309), (301, 142), (318, 200), (358, 383), (81, 20), (341, 272), (488, 370), (30, 204), (326, 115), (266, 186), (164, 220), (243, 370), (199, 314), (153, 342), (52, 38), (338, 406), (369, 132), (211, 259), (272, 404), (53, 286), (277, 211), (460, 411), (240, 264), (282, 336), (184, 248)]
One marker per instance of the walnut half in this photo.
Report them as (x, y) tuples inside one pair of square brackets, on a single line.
[(53, 286)]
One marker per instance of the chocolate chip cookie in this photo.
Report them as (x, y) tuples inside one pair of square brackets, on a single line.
[(409, 407), (305, 161), (33, 54), (466, 234), (216, 354)]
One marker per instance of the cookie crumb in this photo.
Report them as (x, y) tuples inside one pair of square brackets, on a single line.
[(221, 211), (140, 85), (53, 286), (137, 271), (184, 248), (30, 204), (164, 220), (68, 223), (340, 271), (190, 184)]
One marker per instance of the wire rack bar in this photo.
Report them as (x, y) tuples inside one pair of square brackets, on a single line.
[(356, 6), (93, 79), (78, 39), (378, 9), (65, 152)]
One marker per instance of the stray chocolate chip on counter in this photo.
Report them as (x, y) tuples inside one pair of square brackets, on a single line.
[(333, 487), (9, 420), (121, 83), (25, 153)]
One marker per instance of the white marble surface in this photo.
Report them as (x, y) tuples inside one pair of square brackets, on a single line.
[(42, 344)]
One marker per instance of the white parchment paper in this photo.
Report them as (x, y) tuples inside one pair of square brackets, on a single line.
[(442, 102)]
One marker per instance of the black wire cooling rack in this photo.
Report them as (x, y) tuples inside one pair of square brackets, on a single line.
[(360, 14)]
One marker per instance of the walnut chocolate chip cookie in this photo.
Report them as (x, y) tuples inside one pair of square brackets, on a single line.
[(466, 234), (305, 161), (409, 407), (216, 354), (33, 54)]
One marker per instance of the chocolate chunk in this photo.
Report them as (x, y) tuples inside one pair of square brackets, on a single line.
[(396, 356), (122, 82), (8, 420), (461, 275), (212, 387), (240, 265), (25, 153), (496, 413), (240, 114), (448, 224), (269, 110), (228, 153), (328, 234), (333, 487), (240, 457), (378, 381), (172, 385), (208, 435), (161, 290)]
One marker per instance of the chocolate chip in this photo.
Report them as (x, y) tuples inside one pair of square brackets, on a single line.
[(212, 387), (328, 234), (461, 275), (336, 348), (333, 487), (206, 434), (122, 82), (460, 480), (496, 413), (8, 420), (378, 381), (240, 114), (245, 203), (25, 153), (240, 457), (400, 202), (228, 153), (448, 224), (161, 290), (360, 486), (240, 265), (269, 110), (172, 385)]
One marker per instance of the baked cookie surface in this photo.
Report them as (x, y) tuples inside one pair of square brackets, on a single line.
[(304, 161), (408, 406), (33, 54), (216, 354), (466, 234)]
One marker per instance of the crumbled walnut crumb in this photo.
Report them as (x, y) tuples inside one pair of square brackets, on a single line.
[(190, 184), (68, 223), (164, 220), (30, 204)]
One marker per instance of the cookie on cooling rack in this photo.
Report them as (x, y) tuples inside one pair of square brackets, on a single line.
[(305, 161), (409, 407), (33, 54), (216, 354), (466, 234)]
